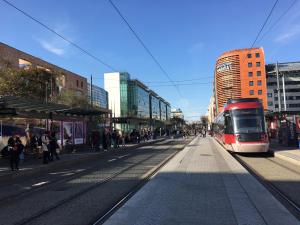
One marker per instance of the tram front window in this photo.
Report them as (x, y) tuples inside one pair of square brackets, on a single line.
[(248, 121)]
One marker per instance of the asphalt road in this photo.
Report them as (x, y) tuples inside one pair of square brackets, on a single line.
[(283, 175), (83, 192)]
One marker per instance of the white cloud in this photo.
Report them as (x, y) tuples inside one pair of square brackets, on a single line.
[(288, 35), (55, 44), (52, 48)]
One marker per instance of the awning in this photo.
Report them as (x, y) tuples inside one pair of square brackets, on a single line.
[(11, 105)]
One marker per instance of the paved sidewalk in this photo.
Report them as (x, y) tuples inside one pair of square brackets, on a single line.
[(33, 165), (291, 154), (203, 185)]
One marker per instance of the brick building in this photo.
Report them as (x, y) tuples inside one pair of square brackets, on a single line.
[(14, 58), (240, 74)]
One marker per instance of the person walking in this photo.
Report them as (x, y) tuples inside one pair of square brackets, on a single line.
[(204, 132), (53, 146)]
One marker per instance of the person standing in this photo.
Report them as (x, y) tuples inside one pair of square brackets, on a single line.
[(45, 144), (14, 153), (53, 146), (114, 139), (104, 140), (20, 148)]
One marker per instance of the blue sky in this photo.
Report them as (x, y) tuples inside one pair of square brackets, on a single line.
[(185, 36)]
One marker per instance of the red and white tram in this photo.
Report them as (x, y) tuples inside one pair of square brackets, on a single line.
[(241, 126)]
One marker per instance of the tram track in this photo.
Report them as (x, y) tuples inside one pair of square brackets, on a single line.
[(103, 217), (39, 214), (289, 203), (59, 180)]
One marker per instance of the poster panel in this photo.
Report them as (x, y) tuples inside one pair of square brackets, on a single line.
[(68, 132), (0, 131), (298, 124), (78, 132)]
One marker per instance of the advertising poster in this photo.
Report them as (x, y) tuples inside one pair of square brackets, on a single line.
[(0, 131), (298, 124), (78, 132), (68, 132)]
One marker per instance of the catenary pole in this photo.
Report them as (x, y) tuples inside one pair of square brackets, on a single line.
[(278, 88), (91, 90)]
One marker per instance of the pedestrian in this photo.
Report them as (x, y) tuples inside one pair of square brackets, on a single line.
[(20, 148), (40, 146), (45, 145), (118, 139), (104, 140), (123, 140), (204, 132), (53, 146), (114, 139), (14, 153)]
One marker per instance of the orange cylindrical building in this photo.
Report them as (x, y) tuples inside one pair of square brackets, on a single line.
[(240, 74)]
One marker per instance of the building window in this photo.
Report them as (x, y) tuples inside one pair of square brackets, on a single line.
[(258, 73), (257, 55), (250, 83), (77, 83), (270, 95), (257, 64), (249, 64), (250, 74), (249, 56), (270, 103), (81, 84), (259, 83), (259, 92), (251, 92)]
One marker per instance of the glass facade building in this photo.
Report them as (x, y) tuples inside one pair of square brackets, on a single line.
[(100, 96), (168, 111), (155, 109), (133, 105), (163, 111)]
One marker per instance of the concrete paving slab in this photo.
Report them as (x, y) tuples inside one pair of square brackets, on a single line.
[(203, 184)]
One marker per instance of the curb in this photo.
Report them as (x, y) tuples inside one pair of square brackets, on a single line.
[(63, 164)]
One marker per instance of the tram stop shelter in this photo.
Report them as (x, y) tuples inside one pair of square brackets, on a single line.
[(31, 117)]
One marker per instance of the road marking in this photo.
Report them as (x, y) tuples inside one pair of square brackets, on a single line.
[(67, 174), (111, 160), (122, 156), (39, 184)]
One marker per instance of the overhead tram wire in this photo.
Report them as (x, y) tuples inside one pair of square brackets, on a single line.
[(61, 36), (263, 26), (164, 82), (278, 19), (144, 46)]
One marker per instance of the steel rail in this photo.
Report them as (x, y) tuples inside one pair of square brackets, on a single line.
[(84, 191), (268, 184), (102, 218)]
